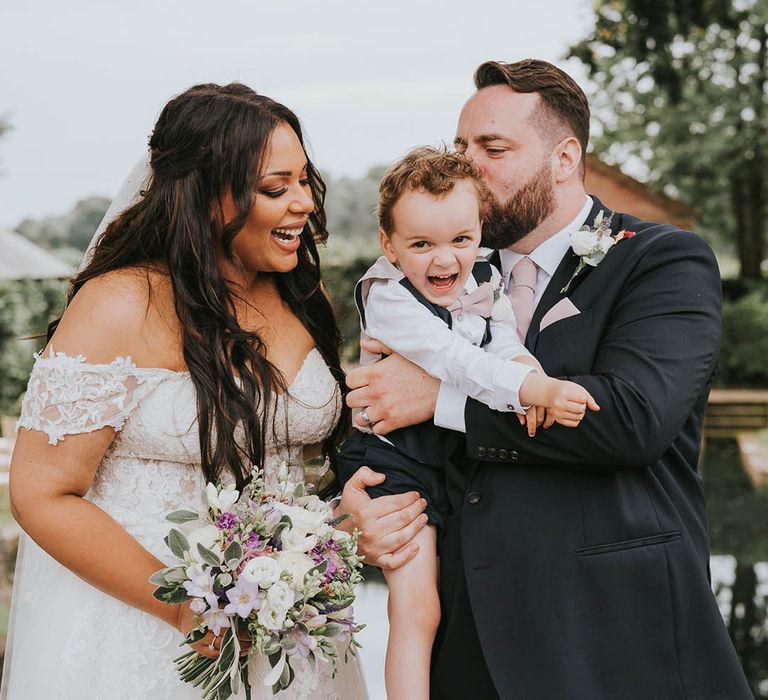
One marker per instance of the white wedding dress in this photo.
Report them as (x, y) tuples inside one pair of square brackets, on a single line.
[(70, 641)]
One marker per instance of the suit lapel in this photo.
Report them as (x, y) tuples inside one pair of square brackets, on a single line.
[(563, 273)]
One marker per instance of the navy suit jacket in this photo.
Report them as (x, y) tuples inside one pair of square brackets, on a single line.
[(585, 550)]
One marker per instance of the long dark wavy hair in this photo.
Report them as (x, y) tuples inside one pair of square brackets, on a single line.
[(209, 140)]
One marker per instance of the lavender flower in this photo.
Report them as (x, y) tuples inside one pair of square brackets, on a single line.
[(226, 521)]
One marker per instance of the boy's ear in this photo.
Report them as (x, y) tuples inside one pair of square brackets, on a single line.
[(386, 246)]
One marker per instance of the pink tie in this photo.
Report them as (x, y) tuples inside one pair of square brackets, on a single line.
[(522, 292)]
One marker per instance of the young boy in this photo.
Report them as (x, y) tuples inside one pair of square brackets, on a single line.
[(431, 299)]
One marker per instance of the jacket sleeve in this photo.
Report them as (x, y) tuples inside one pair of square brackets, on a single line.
[(654, 362)]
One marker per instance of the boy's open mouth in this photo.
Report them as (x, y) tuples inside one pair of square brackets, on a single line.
[(442, 282)]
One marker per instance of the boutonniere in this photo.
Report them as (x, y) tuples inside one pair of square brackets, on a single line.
[(592, 243)]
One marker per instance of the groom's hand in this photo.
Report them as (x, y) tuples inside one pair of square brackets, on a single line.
[(394, 392), (386, 524)]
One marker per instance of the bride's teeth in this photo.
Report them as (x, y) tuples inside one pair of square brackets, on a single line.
[(287, 233)]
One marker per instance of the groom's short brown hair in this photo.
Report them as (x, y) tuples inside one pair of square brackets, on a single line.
[(562, 100)]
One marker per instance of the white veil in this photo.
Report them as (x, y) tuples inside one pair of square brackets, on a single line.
[(128, 194)]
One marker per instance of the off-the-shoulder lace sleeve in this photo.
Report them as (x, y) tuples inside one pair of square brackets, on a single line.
[(66, 395)]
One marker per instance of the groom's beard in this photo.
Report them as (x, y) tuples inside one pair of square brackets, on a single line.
[(507, 223)]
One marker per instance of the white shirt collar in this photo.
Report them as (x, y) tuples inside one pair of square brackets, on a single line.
[(548, 254)]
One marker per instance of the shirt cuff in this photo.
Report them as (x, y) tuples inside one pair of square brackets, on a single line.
[(507, 383), (449, 411)]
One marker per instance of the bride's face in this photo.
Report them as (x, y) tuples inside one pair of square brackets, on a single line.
[(282, 203)]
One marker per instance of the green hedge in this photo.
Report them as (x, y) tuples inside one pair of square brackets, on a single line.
[(744, 349), (26, 309)]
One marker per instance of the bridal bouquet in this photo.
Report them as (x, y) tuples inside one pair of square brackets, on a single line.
[(267, 564)]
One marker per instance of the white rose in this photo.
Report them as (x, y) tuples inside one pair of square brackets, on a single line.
[(606, 243), (222, 500), (583, 242), (261, 570), (297, 565), (208, 536), (270, 617), (280, 596)]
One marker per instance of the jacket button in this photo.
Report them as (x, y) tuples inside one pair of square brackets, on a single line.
[(473, 498), (480, 451), (492, 452), (503, 454), (514, 455)]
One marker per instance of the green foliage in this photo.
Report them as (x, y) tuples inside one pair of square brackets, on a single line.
[(679, 92), (340, 278), (26, 309), (351, 210), (72, 231), (745, 341)]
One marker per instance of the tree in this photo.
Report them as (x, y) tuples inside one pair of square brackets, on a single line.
[(72, 231), (680, 90)]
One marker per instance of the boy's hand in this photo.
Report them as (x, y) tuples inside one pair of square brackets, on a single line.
[(533, 419), (568, 402)]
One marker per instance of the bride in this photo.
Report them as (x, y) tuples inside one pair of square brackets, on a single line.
[(197, 341)]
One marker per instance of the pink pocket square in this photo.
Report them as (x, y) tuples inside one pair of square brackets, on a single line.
[(564, 308)]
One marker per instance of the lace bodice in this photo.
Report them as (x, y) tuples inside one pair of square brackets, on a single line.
[(107, 649), (153, 464)]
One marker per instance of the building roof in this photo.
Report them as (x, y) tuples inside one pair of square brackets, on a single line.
[(675, 208), (22, 259)]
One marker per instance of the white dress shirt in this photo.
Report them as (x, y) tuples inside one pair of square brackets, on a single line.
[(451, 400), (397, 319)]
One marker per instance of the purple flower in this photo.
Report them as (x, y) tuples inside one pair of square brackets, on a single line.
[(328, 552), (226, 521), (303, 641), (253, 541)]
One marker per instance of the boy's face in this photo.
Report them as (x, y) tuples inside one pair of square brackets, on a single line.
[(435, 240)]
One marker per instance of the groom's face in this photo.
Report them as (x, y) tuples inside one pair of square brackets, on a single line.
[(499, 130)]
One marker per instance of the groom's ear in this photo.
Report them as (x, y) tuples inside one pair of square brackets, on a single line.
[(386, 246), (567, 155)]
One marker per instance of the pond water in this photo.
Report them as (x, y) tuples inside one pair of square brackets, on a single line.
[(739, 533)]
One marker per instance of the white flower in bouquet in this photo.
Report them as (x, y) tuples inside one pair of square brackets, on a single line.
[(207, 536), (271, 617), (243, 598), (200, 584), (296, 539), (297, 565), (306, 520), (280, 596), (216, 619), (222, 499), (263, 571)]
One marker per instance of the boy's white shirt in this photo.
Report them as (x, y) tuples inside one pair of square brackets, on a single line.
[(451, 399), (397, 319)]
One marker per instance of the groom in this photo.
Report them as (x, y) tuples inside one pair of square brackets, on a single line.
[(575, 564)]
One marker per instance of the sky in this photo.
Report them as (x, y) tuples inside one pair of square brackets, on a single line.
[(82, 81)]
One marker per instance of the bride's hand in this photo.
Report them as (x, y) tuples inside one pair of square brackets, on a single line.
[(210, 644)]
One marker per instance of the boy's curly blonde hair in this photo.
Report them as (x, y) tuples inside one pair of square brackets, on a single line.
[(432, 170)]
